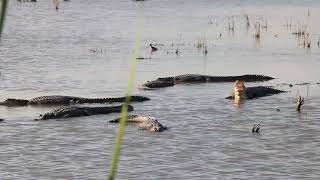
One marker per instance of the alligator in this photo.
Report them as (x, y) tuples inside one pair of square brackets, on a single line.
[(66, 100), (198, 78), (144, 123), (242, 92), (75, 111)]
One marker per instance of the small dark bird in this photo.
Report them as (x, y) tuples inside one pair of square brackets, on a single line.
[(153, 48), (1, 119), (256, 128)]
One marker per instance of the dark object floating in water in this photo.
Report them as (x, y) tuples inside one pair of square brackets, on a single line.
[(1, 120), (74, 111), (198, 78), (143, 58), (144, 123), (66, 100), (256, 128), (27, 0)]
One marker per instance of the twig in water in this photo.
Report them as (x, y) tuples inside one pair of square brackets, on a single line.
[(256, 128), (177, 50), (300, 102)]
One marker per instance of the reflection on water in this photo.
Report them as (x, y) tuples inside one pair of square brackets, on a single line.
[(45, 52)]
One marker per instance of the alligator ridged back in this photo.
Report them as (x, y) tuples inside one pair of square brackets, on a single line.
[(191, 78), (74, 111), (115, 99), (54, 100), (170, 78), (208, 78), (143, 122), (245, 78), (59, 100), (130, 119)]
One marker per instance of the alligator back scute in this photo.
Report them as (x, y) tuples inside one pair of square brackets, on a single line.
[(171, 78), (190, 78), (253, 77)]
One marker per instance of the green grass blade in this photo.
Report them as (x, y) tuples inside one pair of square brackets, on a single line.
[(124, 111), (4, 4)]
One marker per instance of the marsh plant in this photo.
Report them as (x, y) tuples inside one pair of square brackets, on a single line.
[(247, 21), (257, 28), (300, 31), (3, 7), (307, 41), (288, 24), (300, 102), (200, 43), (231, 24)]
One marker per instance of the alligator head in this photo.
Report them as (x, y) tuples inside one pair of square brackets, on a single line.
[(159, 83), (49, 115), (14, 102), (152, 124)]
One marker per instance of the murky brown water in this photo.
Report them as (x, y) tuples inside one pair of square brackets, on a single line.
[(45, 52)]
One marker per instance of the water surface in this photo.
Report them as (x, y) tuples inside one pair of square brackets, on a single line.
[(45, 52)]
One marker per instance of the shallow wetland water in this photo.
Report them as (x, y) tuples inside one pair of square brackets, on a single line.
[(46, 52)]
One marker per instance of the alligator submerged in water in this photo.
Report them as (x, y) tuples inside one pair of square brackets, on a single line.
[(66, 100), (74, 111), (242, 92), (144, 122), (198, 78)]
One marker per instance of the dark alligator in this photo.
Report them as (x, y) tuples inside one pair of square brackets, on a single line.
[(242, 92), (144, 122), (198, 78), (74, 111), (66, 100)]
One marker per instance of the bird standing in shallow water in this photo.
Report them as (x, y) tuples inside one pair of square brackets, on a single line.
[(153, 48)]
